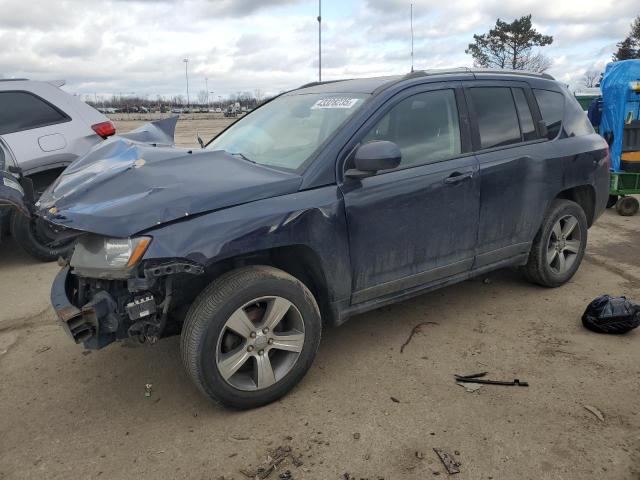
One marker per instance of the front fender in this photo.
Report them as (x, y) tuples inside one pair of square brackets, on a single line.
[(312, 218)]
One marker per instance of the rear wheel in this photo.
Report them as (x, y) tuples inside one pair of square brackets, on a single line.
[(559, 246), (627, 206), (250, 336), (36, 238)]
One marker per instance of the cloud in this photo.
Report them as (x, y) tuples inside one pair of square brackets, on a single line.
[(138, 45), (240, 8)]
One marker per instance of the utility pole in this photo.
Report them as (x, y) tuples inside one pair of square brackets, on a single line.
[(320, 40), (206, 85), (186, 74), (412, 37)]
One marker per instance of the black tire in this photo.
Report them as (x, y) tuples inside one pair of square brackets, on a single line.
[(611, 202), (627, 206), (205, 323), (31, 237), (538, 270)]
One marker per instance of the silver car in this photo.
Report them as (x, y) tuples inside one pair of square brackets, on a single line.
[(42, 130)]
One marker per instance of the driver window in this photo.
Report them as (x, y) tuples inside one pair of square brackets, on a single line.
[(424, 126)]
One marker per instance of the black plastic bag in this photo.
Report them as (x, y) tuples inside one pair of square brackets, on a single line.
[(608, 314)]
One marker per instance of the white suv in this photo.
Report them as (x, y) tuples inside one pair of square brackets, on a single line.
[(42, 130)]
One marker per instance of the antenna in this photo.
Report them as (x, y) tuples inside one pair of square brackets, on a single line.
[(412, 37), (320, 40)]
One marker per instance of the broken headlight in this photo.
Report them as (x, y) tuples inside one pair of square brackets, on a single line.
[(94, 252)]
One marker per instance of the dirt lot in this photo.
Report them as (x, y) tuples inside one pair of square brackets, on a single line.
[(189, 126), (365, 407)]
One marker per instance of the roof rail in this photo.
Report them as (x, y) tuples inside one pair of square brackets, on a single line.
[(507, 71), (13, 79), (444, 71)]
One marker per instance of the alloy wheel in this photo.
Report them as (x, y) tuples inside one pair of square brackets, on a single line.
[(260, 343), (564, 244)]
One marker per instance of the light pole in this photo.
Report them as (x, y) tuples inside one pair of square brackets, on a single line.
[(206, 86), (411, 37), (212, 93), (186, 74), (320, 40)]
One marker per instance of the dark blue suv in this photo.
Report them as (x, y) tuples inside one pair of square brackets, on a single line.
[(327, 201)]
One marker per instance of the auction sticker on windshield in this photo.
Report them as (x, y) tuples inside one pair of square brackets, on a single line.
[(336, 102)]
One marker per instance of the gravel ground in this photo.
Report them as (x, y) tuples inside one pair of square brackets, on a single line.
[(365, 408), (189, 126)]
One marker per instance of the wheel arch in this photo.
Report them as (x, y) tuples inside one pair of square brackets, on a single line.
[(43, 178), (583, 195), (298, 260)]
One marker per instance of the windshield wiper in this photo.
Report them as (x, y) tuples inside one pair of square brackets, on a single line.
[(242, 156)]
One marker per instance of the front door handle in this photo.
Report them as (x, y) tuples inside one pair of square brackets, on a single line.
[(457, 177)]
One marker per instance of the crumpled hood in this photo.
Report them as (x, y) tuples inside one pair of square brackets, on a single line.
[(123, 187)]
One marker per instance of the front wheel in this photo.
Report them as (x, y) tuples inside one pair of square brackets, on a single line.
[(250, 336), (559, 245)]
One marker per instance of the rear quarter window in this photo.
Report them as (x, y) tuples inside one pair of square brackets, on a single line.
[(551, 106), (23, 111), (576, 122)]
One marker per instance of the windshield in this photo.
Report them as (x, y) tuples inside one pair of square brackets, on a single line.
[(287, 131)]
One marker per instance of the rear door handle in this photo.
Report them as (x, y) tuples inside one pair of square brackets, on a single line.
[(457, 177)]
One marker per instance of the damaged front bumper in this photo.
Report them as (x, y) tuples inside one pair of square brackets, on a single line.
[(95, 324), (97, 312)]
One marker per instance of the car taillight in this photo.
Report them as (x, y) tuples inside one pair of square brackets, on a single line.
[(104, 129)]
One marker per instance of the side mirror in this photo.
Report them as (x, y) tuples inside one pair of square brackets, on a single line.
[(374, 156)]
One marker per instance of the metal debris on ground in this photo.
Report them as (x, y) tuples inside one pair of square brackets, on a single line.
[(274, 459), (395, 400), (451, 465), (598, 414), (415, 330), (470, 387), (147, 389), (476, 378)]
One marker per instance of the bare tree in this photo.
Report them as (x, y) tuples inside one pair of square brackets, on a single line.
[(537, 62), (203, 96), (590, 78)]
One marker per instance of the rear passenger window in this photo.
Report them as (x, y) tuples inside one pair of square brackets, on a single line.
[(425, 127), (23, 111), (552, 109), (524, 114), (495, 115)]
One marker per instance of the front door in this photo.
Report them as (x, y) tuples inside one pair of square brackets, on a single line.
[(415, 224)]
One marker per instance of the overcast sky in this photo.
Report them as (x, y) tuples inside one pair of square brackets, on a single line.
[(123, 46)]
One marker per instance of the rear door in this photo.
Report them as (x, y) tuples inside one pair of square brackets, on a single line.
[(35, 130), (506, 139), (415, 224)]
